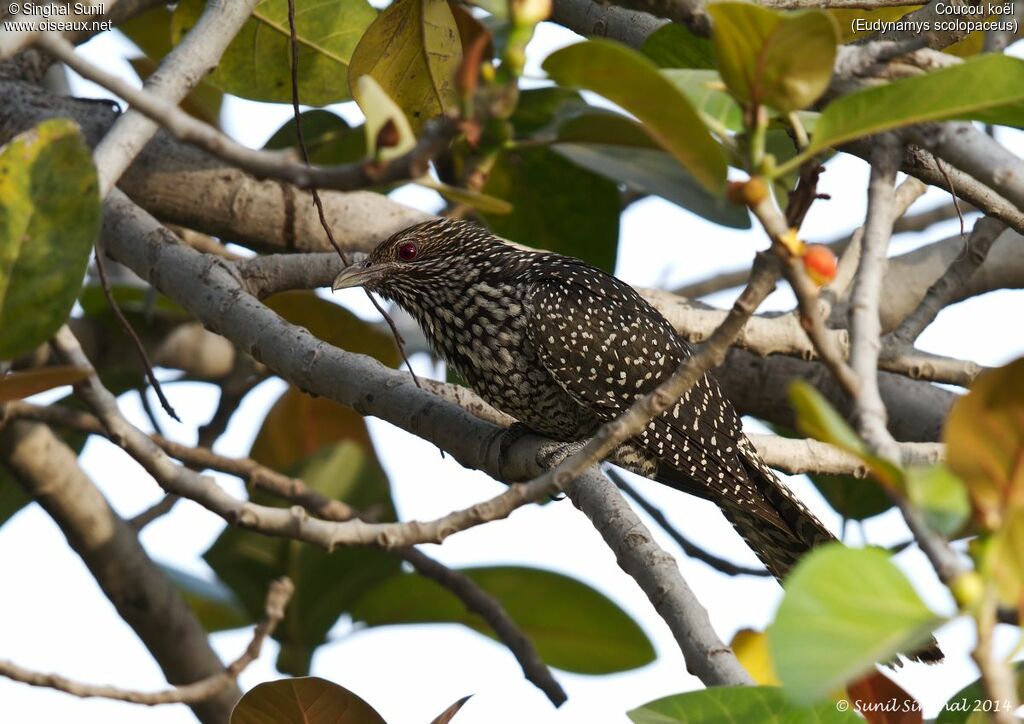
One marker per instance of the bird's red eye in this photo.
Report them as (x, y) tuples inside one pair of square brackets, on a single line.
[(407, 251)]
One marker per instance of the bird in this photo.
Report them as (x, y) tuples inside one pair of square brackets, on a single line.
[(562, 347)]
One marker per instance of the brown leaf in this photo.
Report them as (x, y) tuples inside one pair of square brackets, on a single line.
[(880, 700), (305, 700), (299, 425), (19, 385), (448, 714), (984, 436)]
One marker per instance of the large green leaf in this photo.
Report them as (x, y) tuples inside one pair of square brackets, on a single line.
[(305, 700), (542, 109), (49, 218), (782, 60), (256, 65), (627, 78), (412, 50), (707, 93), (736, 704), (985, 442), (674, 46), (988, 88), (332, 454), (557, 205), (573, 626), (844, 610), (653, 171)]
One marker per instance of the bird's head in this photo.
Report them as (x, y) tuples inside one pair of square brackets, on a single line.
[(419, 260)]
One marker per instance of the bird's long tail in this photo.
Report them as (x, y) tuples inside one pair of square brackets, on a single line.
[(780, 546)]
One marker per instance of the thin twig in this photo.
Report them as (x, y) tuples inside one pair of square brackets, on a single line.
[(689, 547), (278, 595), (944, 289), (140, 350), (265, 164), (294, 47)]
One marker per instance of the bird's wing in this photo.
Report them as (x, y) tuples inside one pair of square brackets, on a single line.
[(606, 347)]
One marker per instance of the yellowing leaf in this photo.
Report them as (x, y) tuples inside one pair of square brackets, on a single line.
[(49, 218), (751, 649), (782, 60), (388, 133), (22, 384), (984, 438), (412, 50)]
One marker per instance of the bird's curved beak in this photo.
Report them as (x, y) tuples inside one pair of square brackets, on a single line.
[(355, 275)]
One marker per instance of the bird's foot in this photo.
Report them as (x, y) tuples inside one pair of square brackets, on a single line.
[(506, 439), (552, 454)]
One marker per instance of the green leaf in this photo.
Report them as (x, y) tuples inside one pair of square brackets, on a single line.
[(256, 64), (466, 197), (627, 78), (985, 442), (707, 93), (782, 60), (540, 109), (412, 50), (844, 610), (940, 495), (988, 88), (216, 607), (49, 218), (12, 497), (674, 46), (305, 700), (203, 102), (961, 707), (150, 31), (655, 172), (762, 704), (853, 498), (329, 139), (816, 418), (328, 447), (335, 325), (573, 626), (557, 205)]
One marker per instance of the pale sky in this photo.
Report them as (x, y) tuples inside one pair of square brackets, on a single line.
[(55, 619)]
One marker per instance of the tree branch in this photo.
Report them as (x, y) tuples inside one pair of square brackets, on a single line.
[(143, 596), (263, 164), (657, 573), (278, 595)]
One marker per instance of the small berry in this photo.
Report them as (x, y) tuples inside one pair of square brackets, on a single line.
[(820, 264)]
